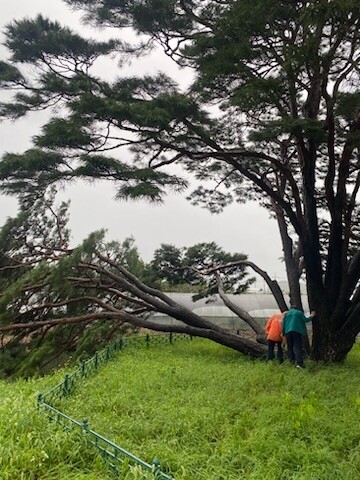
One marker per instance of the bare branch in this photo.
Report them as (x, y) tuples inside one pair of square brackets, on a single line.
[(273, 285), (57, 321), (254, 324)]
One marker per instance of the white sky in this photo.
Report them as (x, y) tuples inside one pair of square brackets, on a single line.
[(240, 228)]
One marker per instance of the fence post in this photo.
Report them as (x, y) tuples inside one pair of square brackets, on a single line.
[(85, 425), (66, 385), (156, 467), (96, 360), (107, 353), (147, 340), (39, 401), (171, 337)]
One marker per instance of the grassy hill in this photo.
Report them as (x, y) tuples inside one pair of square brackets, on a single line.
[(205, 411)]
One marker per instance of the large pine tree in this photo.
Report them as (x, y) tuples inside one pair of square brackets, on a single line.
[(285, 75)]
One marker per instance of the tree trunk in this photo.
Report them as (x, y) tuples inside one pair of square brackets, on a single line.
[(332, 348), (292, 267), (212, 332), (331, 344)]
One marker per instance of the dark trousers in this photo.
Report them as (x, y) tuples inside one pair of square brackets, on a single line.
[(294, 348), (271, 348)]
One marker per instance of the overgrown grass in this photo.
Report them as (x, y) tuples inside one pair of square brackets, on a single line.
[(209, 413), (204, 410), (32, 448)]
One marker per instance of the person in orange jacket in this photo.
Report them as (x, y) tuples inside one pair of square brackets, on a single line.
[(273, 329)]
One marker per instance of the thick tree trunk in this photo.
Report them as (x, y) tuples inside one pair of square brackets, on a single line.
[(238, 343), (331, 344), (217, 334), (332, 348)]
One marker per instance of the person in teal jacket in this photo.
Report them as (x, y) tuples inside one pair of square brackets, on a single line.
[(293, 329)]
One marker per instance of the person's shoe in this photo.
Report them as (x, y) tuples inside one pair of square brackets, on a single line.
[(300, 366)]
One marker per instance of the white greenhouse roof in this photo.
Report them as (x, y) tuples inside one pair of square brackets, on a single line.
[(260, 305)]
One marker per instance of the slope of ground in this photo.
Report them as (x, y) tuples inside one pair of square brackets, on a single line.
[(205, 411), (209, 413)]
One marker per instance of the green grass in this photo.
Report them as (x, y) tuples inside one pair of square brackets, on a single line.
[(32, 448), (205, 411), (209, 413)]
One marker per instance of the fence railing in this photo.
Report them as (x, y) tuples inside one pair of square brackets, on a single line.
[(115, 456)]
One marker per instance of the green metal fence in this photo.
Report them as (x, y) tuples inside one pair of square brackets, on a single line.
[(115, 456)]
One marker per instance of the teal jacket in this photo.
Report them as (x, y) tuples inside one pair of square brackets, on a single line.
[(294, 321)]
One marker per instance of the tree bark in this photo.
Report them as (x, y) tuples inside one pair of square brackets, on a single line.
[(292, 268)]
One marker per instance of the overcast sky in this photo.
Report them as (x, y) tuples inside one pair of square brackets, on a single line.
[(240, 228)]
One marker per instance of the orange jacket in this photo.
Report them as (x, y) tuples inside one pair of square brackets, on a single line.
[(273, 327)]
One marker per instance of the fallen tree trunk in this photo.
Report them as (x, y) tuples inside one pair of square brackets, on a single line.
[(133, 301)]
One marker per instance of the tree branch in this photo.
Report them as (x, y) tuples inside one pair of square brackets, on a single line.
[(256, 326)]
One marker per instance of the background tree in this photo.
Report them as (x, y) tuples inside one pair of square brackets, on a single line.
[(180, 269), (285, 76), (166, 266)]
